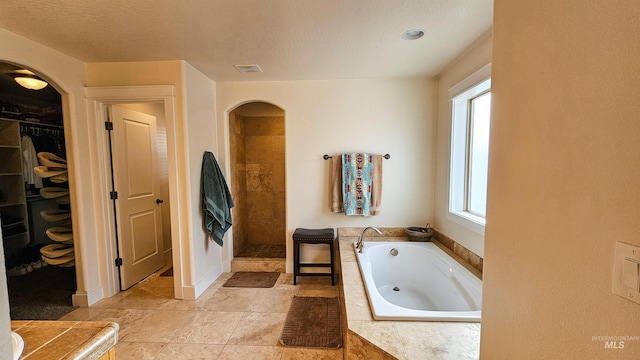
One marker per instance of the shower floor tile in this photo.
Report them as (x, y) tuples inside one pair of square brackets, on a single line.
[(263, 251)]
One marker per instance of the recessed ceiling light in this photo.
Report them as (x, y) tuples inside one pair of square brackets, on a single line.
[(253, 68), (413, 34)]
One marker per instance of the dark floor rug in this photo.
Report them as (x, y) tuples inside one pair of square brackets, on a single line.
[(313, 322), (168, 272), (43, 294), (252, 279)]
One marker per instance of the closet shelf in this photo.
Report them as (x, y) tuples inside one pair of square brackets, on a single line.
[(17, 241), (13, 236), (12, 203), (33, 123)]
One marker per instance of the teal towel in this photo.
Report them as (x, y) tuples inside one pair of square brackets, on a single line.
[(357, 173), (216, 198)]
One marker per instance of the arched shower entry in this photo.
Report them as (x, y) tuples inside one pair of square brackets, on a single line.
[(257, 153)]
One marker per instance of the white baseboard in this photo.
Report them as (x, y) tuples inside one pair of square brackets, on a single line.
[(84, 299), (193, 292)]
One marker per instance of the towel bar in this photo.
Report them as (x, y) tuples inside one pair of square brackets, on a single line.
[(327, 157)]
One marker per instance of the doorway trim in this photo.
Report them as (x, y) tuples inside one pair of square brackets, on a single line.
[(98, 98)]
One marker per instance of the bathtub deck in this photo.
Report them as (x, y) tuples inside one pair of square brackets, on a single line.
[(396, 339)]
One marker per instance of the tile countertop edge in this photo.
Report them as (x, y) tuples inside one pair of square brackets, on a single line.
[(93, 348), (361, 322), (98, 345)]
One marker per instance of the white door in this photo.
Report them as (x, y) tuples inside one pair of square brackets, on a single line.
[(138, 204)]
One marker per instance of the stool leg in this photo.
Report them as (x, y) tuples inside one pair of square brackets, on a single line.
[(296, 260), (333, 275)]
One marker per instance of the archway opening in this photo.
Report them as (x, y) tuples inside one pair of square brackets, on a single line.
[(257, 152), (38, 239)]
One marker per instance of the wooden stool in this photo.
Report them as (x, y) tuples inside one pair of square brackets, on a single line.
[(312, 236)]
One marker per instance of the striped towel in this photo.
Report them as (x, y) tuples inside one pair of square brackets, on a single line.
[(357, 173)]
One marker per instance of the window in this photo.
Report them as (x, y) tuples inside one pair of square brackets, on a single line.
[(470, 118), (477, 163)]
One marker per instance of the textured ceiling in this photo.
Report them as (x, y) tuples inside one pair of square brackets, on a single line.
[(289, 39)]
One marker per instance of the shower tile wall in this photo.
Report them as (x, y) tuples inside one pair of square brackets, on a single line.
[(264, 155), (238, 182), (257, 152)]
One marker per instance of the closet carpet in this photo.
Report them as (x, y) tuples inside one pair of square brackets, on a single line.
[(43, 294)]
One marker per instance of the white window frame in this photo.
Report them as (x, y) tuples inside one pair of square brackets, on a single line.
[(460, 95)]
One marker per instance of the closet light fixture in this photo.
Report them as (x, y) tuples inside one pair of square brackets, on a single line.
[(29, 80)]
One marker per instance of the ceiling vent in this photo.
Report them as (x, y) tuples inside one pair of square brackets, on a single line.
[(254, 68)]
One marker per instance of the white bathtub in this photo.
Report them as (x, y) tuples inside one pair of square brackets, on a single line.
[(421, 282)]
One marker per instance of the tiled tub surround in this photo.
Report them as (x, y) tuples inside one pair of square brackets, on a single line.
[(465, 254), (367, 338)]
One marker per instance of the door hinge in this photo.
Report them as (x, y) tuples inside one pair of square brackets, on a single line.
[(113, 195), (119, 262), (108, 125)]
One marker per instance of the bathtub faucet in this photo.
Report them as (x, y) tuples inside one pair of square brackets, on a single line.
[(360, 243)]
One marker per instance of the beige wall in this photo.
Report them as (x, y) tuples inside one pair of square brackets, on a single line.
[(563, 179), (157, 73), (201, 135), (394, 116), (472, 60), (194, 132), (68, 76)]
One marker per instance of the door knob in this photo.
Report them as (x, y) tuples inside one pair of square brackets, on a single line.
[(159, 201)]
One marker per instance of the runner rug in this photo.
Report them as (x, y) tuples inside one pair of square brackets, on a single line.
[(313, 322)]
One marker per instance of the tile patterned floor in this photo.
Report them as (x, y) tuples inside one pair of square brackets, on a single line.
[(224, 323)]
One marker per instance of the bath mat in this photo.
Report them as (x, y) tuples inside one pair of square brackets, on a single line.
[(313, 322), (252, 279), (168, 272)]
